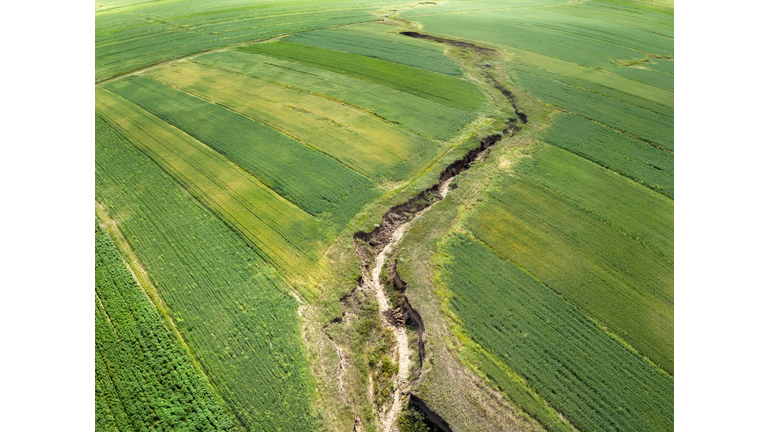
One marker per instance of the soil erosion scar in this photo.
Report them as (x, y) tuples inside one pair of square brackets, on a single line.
[(375, 246)]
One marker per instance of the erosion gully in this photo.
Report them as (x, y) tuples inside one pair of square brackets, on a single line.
[(376, 246)]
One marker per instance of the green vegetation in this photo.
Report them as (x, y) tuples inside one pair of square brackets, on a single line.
[(637, 122), (133, 36), (275, 227), (373, 41), (629, 157), (601, 241), (144, 379), (414, 421), (351, 136), (596, 382), (445, 90), (419, 115), (307, 178), (235, 312)]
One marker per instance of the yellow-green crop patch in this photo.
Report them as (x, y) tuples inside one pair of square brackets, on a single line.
[(357, 138), (600, 240), (416, 114), (445, 90), (284, 234), (311, 180)]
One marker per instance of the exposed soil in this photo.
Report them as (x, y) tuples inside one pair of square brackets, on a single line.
[(376, 246), (460, 44)]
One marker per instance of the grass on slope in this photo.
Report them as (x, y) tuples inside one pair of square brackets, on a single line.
[(360, 140), (304, 176), (600, 240), (445, 90), (416, 114), (232, 308), (588, 376), (144, 379)]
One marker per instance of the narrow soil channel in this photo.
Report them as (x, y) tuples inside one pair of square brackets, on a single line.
[(376, 246)]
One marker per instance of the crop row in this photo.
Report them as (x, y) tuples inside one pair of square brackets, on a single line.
[(284, 234), (149, 35), (638, 122), (306, 177), (372, 41), (600, 240), (443, 89), (358, 139), (231, 307), (416, 114), (629, 157), (144, 380), (604, 83), (588, 376)]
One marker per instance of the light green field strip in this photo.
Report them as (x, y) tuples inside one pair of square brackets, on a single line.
[(600, 240), (359, 139), (607, 79), (443, 89), (279, 229), (416, 114), (377, 40)]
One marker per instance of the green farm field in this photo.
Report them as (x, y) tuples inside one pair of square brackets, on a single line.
[(370, 216)]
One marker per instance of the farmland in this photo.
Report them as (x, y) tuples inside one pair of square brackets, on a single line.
[(258, 161), (137, 354), (592, 379), (241, 323)]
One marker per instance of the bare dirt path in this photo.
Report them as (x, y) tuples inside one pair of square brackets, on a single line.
[(403, 350)]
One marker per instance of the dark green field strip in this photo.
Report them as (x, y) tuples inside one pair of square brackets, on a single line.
[(230, 306), (647, 76), (600, 240), (445, 90), (647, 165), (122, 53), (384, 46), (597, 383), (144, 379), (637, 122), (306, 177), (602, 85), (413, 113), (359, 140)]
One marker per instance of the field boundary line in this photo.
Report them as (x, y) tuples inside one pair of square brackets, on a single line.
[(99, 83), (274, 128), (600, 325), (143, 279)]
